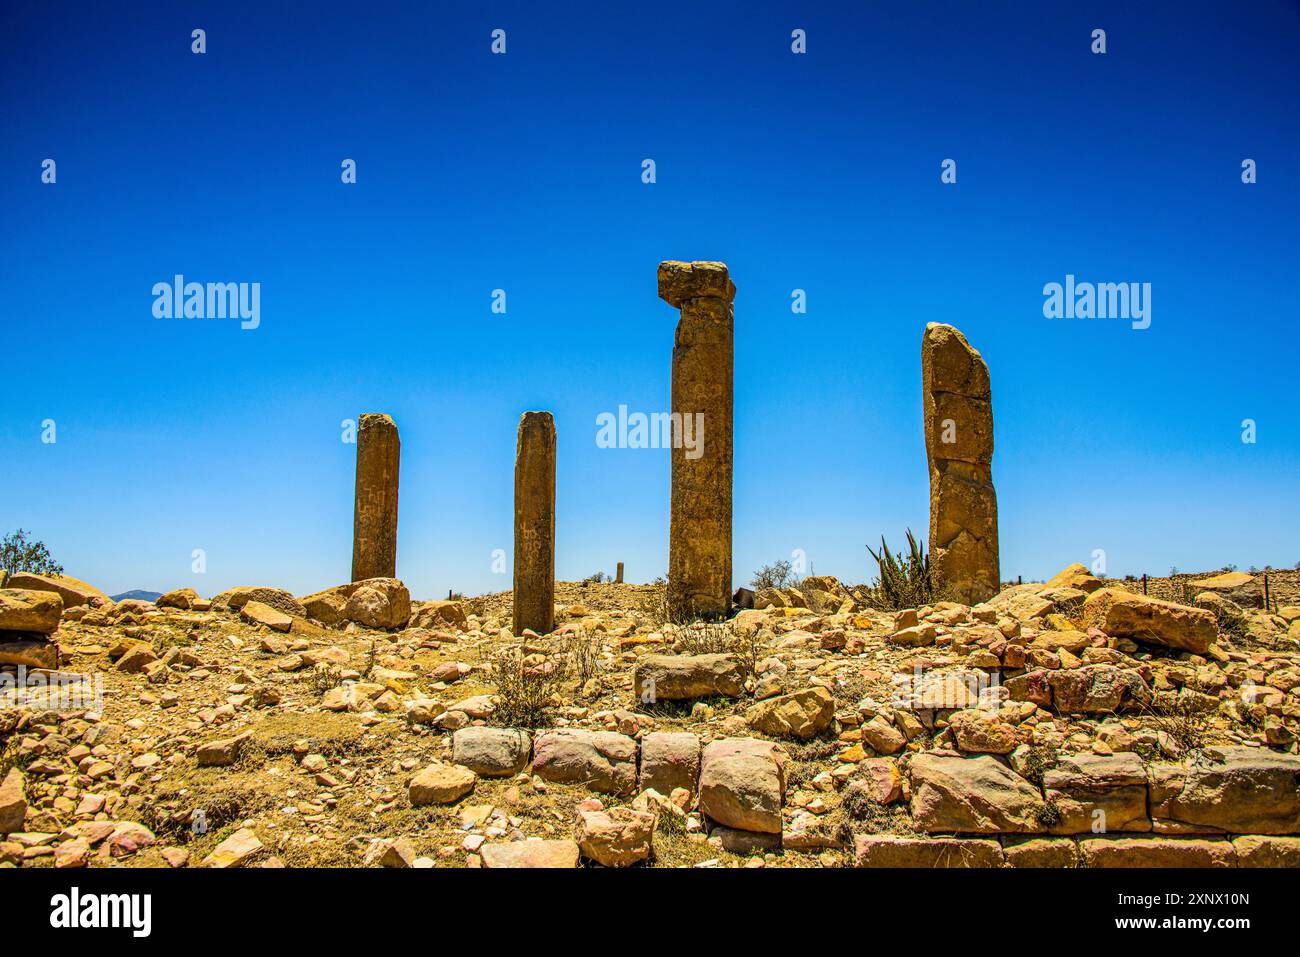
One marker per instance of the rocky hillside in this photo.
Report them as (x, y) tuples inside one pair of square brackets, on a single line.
[(1071, 722)]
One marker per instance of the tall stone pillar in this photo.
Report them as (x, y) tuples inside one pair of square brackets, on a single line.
[(535, 524), (699, 537), (618, 575), (374, 522), (959, 446)]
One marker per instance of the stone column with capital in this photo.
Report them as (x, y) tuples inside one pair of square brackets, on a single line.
[(699, 536), (374, 520), (534, 598)]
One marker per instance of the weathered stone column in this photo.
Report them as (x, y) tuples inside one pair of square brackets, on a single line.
[(959, 446), (699, 536), (535, 524), (618, 575), (374, 522)]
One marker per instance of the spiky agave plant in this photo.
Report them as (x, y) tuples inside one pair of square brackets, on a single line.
[(905, 580)]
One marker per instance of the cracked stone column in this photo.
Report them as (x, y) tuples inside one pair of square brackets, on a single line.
[(534, 598), (374, 522), (699, 537), (959, 446)]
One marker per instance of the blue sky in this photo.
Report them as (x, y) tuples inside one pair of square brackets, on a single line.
[(523, 172)]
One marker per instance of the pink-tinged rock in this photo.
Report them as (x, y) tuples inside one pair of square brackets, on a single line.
[(889, 850), (604, 761), (742, 784), (128, 837), (530, 854)]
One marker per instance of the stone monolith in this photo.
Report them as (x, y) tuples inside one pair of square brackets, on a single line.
[(535, 524), (374, 523), (699, 538), (959, 446)]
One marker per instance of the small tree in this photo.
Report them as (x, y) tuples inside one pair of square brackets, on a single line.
[(17, 554), (776, 575)]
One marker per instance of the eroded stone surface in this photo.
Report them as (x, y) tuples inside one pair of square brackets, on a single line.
[(374, 521), (959, 445), (699, 542), (535, 524)]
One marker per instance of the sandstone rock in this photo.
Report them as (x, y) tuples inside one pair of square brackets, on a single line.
[(28, 649), (882, 737), (1258, 850), (1093, 791), (222, 753), (746, 843), (260, 613), (441, 784), (233, 599), (127, 838), (984, 732), (602, 760), (1072, 641), (616, 838), (373, 602), (972, 795), (29, 610), (492, 752), (1238, 587), (1042, 852), (742, 784), (1125, 614), (183, 598), (1234, 789), (440, 614), (890, 850), (1076, 576), (680, 677), (235, 850), (1095, 689), (669, 760), (73, 591), (136, 659), (1021, 602), (531, 854), (13, 802), (1155, 852), (881, 783), (400, 853), (915, 637), (801, 715)]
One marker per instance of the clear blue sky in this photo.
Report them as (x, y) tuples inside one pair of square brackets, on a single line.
[(523, 172)]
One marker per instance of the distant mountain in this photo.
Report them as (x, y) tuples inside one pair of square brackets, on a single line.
[(138, 594)]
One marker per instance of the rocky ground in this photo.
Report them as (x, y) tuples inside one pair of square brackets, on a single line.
[(357, 728)]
